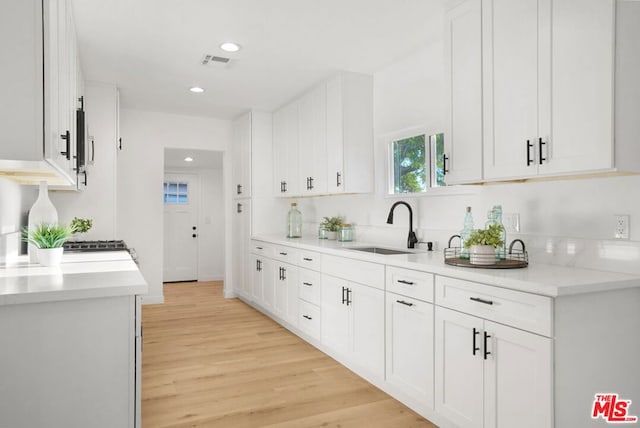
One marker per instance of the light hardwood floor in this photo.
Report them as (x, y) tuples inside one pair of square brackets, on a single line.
[(214, 362)]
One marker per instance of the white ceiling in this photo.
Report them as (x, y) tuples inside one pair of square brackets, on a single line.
[(202, 159), (151, 49)]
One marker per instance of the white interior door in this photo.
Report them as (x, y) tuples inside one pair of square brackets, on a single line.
[(180, 198)]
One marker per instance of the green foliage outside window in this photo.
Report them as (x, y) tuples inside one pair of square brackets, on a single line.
[(409, 165)]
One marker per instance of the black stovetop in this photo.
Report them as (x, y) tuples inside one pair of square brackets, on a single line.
[(82, 246)]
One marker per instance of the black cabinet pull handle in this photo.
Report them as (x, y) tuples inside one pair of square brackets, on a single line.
[(338, 179), (486, 336), (540, 144), (529, 146), (310, 183), (239, 189), (344, 300), (67, 137), (93, 150), (445, 170), (285, 186), (402, 302), (258, 265), (284, 274), (307, 259), (479, 300), (120, 143), (349, 301), (308, 284), (85, 177), (239, 208), (475, 333), (307, 317), (402, 281)]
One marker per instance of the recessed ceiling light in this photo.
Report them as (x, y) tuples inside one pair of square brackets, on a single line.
[(196, 89), (230, 47), (188, 159)]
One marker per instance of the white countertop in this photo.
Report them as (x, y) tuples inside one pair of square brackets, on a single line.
[(80, 276), (543, 279)]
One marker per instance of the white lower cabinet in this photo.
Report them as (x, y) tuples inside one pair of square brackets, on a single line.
[(490, 375), (409, 348), (286, 292), (353, 322), (262, 281)]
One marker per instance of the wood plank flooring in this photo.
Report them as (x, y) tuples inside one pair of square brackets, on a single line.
[(214, 362)]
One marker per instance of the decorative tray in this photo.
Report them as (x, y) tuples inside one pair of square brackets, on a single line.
[(513, 259)]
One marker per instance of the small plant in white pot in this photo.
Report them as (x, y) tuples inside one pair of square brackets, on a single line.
[(482, 244), (81, 226), (48, 239), (331, 225)]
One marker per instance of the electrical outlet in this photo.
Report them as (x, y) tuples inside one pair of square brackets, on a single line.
[(511, 222), (622, 226)]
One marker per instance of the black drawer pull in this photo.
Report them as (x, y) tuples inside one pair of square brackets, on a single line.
[(307, 317), (283, 254), (306, 259), (402, 302), (402, 281), (308, 284), (479, 300), (259, 248)]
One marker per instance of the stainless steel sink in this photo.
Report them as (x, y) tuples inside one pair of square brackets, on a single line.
[(379, 250)]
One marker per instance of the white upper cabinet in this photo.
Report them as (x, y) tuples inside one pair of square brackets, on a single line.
[(241, 156), (37, 114), (548, 88), (312, 154), (285, 150), (463, 133), (323, 142)]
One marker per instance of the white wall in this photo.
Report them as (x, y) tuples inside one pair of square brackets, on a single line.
[(97, 201), (145, 135), (15, 201)]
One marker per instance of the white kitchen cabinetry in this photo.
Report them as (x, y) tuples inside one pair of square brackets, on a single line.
[(489, 374), (70, 363), (241, 226), (463, 71), (286, 292), (324, 140), (310, 293), (285, 150), (312, 154), (353, 323), (548, 87), (37, 114), (241, 156)]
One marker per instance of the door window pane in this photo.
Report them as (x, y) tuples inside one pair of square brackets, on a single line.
[(175, 193)]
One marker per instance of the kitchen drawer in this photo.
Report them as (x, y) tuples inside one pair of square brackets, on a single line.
[(371, 274), (261, 248), (514, 308), (286, 254), (411, 283), (309, 321), (309, 286), (310, 260)]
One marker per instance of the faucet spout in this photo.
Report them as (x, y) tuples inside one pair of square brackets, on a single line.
[(412, 240)]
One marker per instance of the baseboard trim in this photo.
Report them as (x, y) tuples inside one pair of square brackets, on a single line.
[(152, 300)]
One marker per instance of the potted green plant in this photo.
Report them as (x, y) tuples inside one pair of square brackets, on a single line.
[(48, 239), (482, 244), (331, 225), (81, 225)]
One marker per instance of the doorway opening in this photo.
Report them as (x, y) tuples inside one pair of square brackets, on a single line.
[(193, 216)]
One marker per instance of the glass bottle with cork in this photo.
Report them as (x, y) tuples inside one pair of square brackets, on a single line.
[(294, 222)]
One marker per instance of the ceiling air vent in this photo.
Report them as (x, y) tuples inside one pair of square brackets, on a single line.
[(207, 59)]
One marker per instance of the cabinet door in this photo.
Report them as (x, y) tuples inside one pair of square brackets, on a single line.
[(335, 144), (511, 38), (582, 81), (293, 302), (409, 347), (280, 290), (268, 285), (285, 150), (241, 156), (366, 305), (312, 172), (458, 367), (256, 265), (334, 314), (463, 134), (241, 228), (518, 378)]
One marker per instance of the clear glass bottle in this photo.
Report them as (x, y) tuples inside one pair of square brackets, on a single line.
[(294, 222), (495, 217), (345, 234), (467, 230)]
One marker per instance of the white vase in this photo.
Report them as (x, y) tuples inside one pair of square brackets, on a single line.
[(482, 255), (49, 256), (41, 212)]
